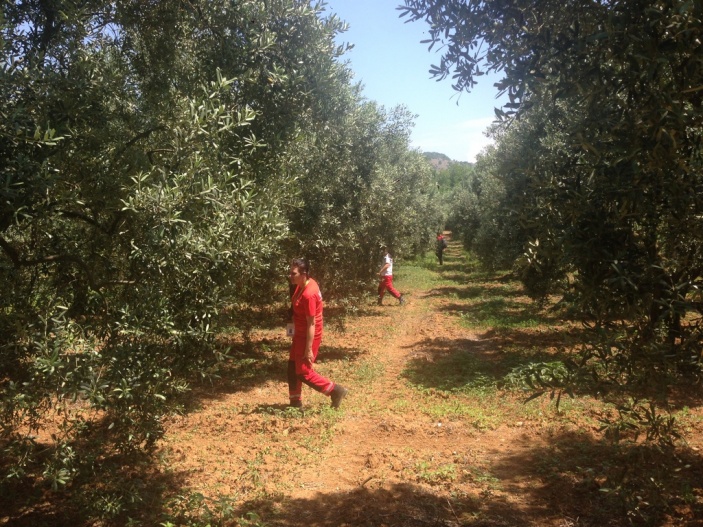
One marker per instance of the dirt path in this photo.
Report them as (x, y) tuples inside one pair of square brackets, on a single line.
[(418, 442), (365, 446), (382, 460), (376, 457)]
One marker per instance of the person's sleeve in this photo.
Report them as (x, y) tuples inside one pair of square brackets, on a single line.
[(310, 305)]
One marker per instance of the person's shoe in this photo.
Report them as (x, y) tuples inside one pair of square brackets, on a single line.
[(296, 404), (401, 300), (338, 393), (380, 301)]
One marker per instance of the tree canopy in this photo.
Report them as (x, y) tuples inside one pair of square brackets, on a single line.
[(162, 162), (598, 161)]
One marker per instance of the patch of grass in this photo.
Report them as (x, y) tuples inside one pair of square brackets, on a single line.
[(400, 405), (497, 312), (483, 478), (579, 413), (367, 371), (453, 372), (427, 261), (479, 415), (312, 443), (196, 510), (427, 472), (412, 276)]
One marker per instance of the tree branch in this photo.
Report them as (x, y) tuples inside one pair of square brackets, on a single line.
[(10, 251)]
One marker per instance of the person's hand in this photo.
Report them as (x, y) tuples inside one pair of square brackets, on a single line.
[(308, 357)]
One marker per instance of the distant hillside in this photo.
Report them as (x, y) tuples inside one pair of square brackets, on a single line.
[(437, 160)]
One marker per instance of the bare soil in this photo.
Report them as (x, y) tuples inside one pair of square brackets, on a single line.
[(237, 456), (382, 460)]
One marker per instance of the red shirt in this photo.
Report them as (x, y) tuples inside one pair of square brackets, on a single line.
[(308, 304)]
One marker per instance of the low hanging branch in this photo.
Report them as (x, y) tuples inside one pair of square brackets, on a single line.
[(19, 262)]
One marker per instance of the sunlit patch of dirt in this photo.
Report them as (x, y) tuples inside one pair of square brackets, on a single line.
[(387, 458), (383, 460)]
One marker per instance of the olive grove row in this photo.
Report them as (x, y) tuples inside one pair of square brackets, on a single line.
[(162, 162), (594, 188)]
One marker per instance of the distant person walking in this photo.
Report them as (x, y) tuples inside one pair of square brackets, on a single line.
[(440, 245), (306, 301), (386, 276)]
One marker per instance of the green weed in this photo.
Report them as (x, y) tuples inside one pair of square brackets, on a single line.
[(483, 478), (499, 313), (442, 474), (368, 372), (479, 416)]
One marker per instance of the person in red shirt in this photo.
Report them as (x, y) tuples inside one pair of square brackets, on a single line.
[(306, 301), (440, 245)]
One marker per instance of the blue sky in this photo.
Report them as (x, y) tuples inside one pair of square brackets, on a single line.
[(392, 64)]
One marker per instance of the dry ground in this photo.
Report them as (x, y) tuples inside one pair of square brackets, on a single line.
[(410, 446), (389, 458)]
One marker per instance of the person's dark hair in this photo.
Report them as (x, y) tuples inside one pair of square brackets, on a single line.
[(301, 265)]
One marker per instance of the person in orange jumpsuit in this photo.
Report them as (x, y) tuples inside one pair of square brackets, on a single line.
[(306, 302), (440, 245)]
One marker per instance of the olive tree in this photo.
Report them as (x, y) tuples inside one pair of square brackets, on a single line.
[(150, 156), (365, 188), (606, 97)]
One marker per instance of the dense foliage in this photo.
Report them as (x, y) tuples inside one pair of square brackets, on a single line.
[(160, 162), (597, 169), (366, 189), (480, 216)]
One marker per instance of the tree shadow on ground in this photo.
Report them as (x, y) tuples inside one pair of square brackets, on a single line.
[(494, 357), (474, 292), (570, 479), (120, 487), (603, 483), (554, 340), (255, 364), (453, 364), (500, 312), (133, 482), (394, 505)]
